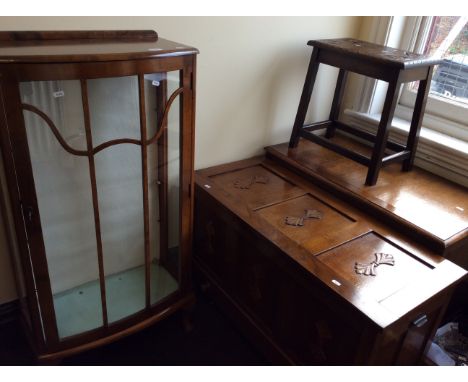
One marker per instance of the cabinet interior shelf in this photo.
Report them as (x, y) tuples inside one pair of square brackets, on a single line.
[(76, 310)]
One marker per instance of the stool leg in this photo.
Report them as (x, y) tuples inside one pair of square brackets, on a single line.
[(416, 121), (305, 99), (336, 104), (382, 132)]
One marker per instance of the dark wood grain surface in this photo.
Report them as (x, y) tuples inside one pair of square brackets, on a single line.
[(378, 53), (86, 46), (34, 36)]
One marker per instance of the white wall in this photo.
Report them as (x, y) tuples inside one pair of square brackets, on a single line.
[(250, 76)]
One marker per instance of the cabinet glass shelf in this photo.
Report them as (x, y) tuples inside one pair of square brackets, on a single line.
[(75, 314)]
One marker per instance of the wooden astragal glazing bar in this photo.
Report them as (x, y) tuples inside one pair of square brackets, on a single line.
[(97, 220), (144, 169)]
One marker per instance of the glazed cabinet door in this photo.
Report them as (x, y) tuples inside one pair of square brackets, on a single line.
[(100, 169)]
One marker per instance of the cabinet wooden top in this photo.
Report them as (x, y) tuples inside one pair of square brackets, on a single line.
[(377, 53), (86, 46)]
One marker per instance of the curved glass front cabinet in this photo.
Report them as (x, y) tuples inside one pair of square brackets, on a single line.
[(105, 156)]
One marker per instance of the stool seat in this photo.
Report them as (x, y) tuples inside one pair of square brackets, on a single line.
[(394, 66), (379, 54)]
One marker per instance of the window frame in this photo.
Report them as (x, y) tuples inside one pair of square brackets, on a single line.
[(441, 115)]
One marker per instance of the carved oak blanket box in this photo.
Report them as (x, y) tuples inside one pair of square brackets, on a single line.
[(310, 277)]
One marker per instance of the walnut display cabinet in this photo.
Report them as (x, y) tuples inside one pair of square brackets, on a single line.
[(97, 137)]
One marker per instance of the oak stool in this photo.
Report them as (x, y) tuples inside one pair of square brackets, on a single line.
[(380, 62)]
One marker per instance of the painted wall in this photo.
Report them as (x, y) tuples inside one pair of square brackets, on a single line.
[(250, 76)]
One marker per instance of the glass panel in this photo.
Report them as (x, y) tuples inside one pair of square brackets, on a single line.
[(63, 190), (120, 193), (114, 108), (448, 39), (61, 101), (163, 159), (119, 185)]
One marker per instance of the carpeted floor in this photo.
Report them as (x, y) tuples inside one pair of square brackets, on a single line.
[(213, 341)]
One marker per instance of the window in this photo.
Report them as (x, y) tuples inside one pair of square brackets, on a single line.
[(445, 37)]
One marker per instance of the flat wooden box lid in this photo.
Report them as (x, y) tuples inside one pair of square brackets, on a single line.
[(379, 54), (86, 46)]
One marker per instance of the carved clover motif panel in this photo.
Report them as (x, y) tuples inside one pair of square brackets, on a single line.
[(369, 269), (299, 221), (246, 183)]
